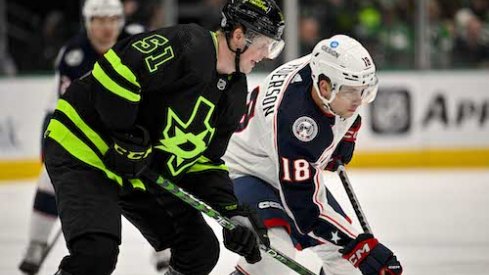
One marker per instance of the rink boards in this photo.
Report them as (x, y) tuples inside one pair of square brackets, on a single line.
[(419, 119)]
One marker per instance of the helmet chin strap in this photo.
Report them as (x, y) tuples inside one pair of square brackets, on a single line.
[(326, 104), (237, 53), (236, 59)]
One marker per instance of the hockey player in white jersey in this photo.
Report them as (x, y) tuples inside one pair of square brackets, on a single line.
[(301, 120)]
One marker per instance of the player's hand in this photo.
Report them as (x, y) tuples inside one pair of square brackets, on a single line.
[(245, 239), (371, 257), (344, 150), (130, 152)]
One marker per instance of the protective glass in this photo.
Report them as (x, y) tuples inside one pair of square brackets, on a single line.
[(264, 43), (366, 92)]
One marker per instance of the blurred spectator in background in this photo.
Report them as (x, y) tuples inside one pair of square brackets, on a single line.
[(458, 29), (212, 14), (369, 20), (54, 35), (132, 24), (140, 18), (481, 9), (37, 29), (368, 27), (441, 36), (308, 34), (472, 42)]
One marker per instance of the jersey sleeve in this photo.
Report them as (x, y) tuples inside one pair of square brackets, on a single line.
[(303, 194), (117, 86)]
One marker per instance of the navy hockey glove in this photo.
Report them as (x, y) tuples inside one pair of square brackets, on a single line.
[(248, 234), (371, 257), (344, 150), (130, 152)]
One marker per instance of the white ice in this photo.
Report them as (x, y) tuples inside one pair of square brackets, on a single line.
[(436, 221)]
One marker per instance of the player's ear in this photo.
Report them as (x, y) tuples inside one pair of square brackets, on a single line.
[(238, 37), (325, 87)]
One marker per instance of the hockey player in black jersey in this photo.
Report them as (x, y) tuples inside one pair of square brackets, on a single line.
[(168, 101), (103, 20), (301, 121)]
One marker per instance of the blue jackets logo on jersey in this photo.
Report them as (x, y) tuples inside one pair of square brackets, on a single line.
[(74, 57), (305, 129)]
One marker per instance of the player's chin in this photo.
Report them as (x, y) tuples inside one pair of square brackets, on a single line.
[(247, 69), (347, 114)]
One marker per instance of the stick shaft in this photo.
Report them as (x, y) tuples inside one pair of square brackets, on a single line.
[(353, 199), (226, 223), (50, 246)]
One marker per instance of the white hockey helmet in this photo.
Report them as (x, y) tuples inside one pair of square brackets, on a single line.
[(102, 8), (344, 61)]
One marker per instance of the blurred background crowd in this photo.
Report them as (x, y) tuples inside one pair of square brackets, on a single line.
[(400, 34)]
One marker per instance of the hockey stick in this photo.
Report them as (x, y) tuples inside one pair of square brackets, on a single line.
[(353, 199), (50, 246), (221, 220)]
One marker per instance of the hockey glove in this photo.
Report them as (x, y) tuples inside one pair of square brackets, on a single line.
[(245, 239), (344, 150), (129, 153), (371, 257)]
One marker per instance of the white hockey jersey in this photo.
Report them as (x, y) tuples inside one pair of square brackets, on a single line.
[(286, 140)]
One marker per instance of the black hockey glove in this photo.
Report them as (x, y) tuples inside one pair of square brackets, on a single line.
[(130, 152), (248, 234), (344, 150), (371, 257)]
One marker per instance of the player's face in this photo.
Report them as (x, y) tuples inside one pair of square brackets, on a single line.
[(250, 58), (259, 47), (104, 30), (347, 100)]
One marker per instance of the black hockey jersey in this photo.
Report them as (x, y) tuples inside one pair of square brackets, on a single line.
[(165, 81), (77, 57)]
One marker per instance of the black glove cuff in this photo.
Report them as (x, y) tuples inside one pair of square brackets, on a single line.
[(130, 153)]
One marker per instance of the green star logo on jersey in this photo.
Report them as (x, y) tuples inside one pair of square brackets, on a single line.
[(186, 146)]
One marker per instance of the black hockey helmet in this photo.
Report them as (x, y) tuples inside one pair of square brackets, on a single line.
[(262, 17)]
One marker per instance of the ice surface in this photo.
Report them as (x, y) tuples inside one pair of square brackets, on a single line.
[(436, 221)]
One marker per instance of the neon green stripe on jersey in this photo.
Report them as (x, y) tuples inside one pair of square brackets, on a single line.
[(214, 39), (205, 164), (120, 68), (112, 86), (137, 183), (71, 113), (71, 143)]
